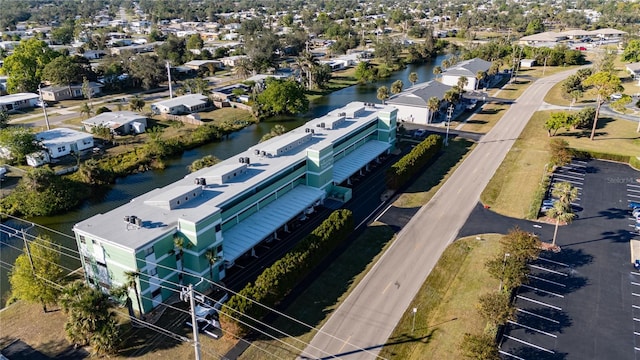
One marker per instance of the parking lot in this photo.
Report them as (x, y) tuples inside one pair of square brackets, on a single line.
[(584, 301)]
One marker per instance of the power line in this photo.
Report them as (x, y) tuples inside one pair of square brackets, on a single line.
[(318, 330)]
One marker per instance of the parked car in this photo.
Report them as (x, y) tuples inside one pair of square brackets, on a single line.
[(208, 327), (420, 133), (545, 208), (616, 96), (549, 202), (634, 204)]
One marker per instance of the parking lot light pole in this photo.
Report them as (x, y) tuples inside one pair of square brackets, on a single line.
[(413, 327), (504, 264)]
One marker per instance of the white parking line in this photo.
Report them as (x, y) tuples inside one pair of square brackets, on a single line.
[(636, 333), (538, 302), (633, 190), (569, 176), (634, 196), (569, 181), (549, 270), (633, 186), (635, 283), (636, 348), (634, 294), (543, 291), (545, 280), (530, 344), (536, 315), (532, 329), (510, 355), (636, 319), (634, 273), (553, 261), (635, 306)]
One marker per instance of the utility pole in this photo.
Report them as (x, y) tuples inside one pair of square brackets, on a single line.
[(194, 322), (44, 108), (413, 327), (449, 114), (169, 76)]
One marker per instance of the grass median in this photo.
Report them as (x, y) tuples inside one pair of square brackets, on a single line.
[(446, 303), (512, 188)]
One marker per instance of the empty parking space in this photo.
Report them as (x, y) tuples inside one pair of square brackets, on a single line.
[(539, 311)]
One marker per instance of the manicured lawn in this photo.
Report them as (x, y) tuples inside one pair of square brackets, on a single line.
[(485, 119), (227, 114), (430, 181), (446, 303), (511, 190)]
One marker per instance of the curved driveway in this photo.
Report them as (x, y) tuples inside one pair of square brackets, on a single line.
[(365, 320)]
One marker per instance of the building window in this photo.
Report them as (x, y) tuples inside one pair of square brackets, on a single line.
[(218, 227), (62, 148), (156, 292), (153, 271), (219, 249), (148, 251), (221, 268), (82, 239)]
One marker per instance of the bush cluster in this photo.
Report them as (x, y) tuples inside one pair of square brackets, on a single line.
[(403, 170), (280, 278)]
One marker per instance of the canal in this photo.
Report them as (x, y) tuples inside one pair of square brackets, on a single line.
[(132, 186)]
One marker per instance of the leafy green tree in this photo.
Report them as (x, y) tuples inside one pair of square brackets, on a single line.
[(37, 283), (365, 72), (560, 153), (413, 78), (91, 173), (604, 84), (102, 109), (496, 307), (396, 87), (147, 71), (86, 110), (25, 65), (557, 121), (480, 347), (62, 71), (261, 49), (321, 75), (462, 82), (20, 141), (382, 94), (564, 192), (282, 97), (63, 34), (206, 161), (173, 49), (179, 244), (195, 42), (197, 85), (511, 271), (521, 245), (91, 320), (621, 104), (388, 50), (631, 52), (136, 103), (534, 26)]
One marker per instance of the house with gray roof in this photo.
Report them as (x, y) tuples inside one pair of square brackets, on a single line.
[(120, 122), (412, 103), (468, 69)]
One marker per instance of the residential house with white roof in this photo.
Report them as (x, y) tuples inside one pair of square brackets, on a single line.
[(120, 122), (468, 69), (412, 102), (62, 141), (18, 101), (184, 104)]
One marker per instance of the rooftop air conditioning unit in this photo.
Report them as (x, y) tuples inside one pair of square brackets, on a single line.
[(256, 151), (241, 160), (322, 125), (247, 160)]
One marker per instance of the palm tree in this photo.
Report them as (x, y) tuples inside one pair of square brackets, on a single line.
[(179, 243), (397, 86), (564, 192), (383, 93), (413, 78), (212, 258), (479, 76), (131, 281), (242, 68), (437, 71), (560, 212), (462, 82), (306, 63), (452, 96), (446, 63), (86, 110), (433, 104)]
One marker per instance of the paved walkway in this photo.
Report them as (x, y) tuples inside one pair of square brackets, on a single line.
[(365, 320)]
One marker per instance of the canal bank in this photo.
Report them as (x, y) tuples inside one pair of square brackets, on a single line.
[(134, 185)]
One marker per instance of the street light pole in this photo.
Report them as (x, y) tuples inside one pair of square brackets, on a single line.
[(44, 108), (449, 114), (504, 264), (413, 327)]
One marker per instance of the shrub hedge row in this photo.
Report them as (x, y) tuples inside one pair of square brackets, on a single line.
[(403, 170), (631, 160), (280, 278)]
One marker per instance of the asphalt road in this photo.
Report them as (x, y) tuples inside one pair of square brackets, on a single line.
[(365, 320)]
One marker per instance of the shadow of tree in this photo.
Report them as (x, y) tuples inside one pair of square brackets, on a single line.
[(533, 353), (544, 319)]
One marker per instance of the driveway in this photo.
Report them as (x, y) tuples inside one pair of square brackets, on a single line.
[(364, 321)]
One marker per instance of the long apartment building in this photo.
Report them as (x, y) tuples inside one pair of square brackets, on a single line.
[(201, 224)]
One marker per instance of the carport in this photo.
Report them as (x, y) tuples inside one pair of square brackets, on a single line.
[(357, 159), (252, 230)]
